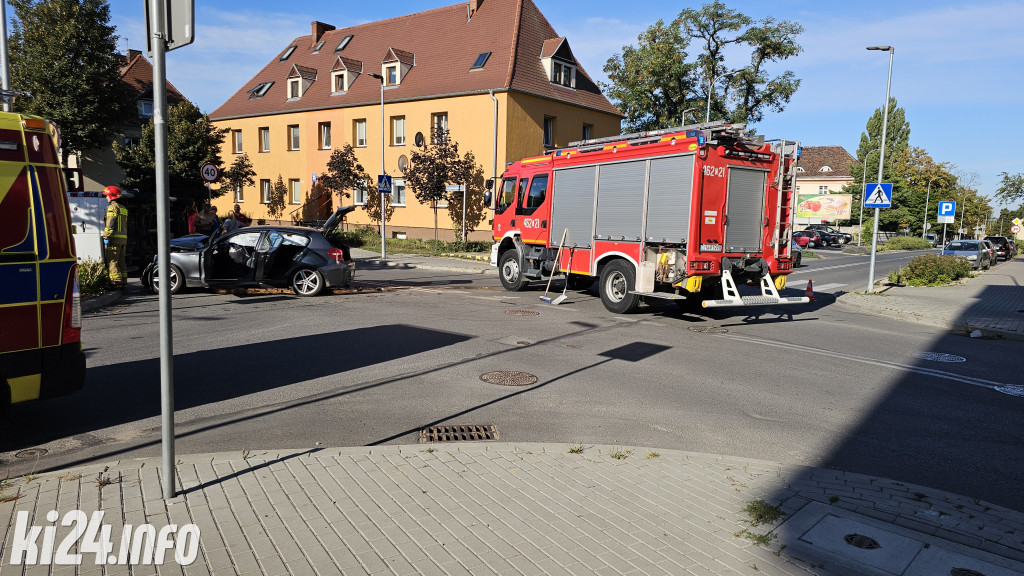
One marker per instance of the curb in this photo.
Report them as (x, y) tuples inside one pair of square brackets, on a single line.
[(860, 302), (102, 300)]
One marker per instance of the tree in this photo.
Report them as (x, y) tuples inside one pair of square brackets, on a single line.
[(374, 206), (476, 210), (191, 142), (64, 52), (655, 83), (1011, 190), (238, 176), (344, 173), (431, 170), (277, 197)]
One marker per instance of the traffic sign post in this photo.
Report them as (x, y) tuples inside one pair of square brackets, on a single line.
[(947, 210), (1015, 228), (878, 195), (209, 173), (383, 187)]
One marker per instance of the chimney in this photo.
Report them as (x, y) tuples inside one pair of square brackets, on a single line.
[(474, 5), (132, 54), (319, 28)]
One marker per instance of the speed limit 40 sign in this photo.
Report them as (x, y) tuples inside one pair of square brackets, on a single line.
[(209, 172)]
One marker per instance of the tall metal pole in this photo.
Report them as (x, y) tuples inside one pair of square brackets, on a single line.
[(5, 68), (963, 209), (383, 208), (163, 211), (927, 196), (864, 184), (881, 162)]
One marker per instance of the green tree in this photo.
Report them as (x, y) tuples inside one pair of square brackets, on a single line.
[(191, 142), (1011, 189), (657, 82), (376, 203), (476, 210), (238, 176), (345, 173), (897, 154), (278, 193), (64, 52), (431, 170)]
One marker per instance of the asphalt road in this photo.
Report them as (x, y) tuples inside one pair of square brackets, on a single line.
[(816, 384)]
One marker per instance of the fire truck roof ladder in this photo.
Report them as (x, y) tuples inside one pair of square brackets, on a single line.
[(789, 154), (716, 127)]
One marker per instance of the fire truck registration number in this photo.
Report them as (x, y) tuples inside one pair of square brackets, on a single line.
[(715, 171), (710, 247), (531, 222)]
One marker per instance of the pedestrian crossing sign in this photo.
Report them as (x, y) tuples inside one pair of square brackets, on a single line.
[(384, 184), (878, 195)]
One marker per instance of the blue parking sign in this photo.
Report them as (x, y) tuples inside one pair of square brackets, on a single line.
[(947, 208)]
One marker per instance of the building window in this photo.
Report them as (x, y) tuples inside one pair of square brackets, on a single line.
[(481, 60), (325, 135), (130, 141), (339, 81), (265, 191), (318, 46), (260, 90), (549, 132), (296, 189), (398, 130), (236, 141), (265, 139), (587, 129), (359, 128), (398, 192), (822, 189), (391, 75), (287, 53), (439, 121), (564, 74), (238, 195), (359, 194), (294, 88), (344, 42), (825, 169), (145, 108), (293, 137)]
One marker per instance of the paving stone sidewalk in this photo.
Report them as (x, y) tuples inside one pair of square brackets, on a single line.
[(500, 508)]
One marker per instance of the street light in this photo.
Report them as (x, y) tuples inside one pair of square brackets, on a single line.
[(881, 162), (926, 198), (864, 183), (383, 209), (711, 90)]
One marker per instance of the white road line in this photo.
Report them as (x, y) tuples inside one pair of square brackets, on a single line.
[(837, 266), (824, 287), (982, 383)]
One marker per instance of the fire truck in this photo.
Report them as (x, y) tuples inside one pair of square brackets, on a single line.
[(688, 214)]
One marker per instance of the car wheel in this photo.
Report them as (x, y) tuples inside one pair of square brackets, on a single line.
[(799, 258), (510, 270), (177, 280), (617, 282), (307, 282)]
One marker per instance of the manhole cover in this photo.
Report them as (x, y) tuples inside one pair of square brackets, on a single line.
[(521, 312), (509, 378), (31, 453), (708, 329), (965, 572), (861, 541), (938, 357), (459, 433)]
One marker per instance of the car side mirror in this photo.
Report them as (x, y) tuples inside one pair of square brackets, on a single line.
[(487, 198)]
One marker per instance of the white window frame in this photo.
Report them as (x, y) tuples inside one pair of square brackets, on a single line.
[(360, 126), (398, 191), (294, 138), (563, 74), (236, 141), (265, 139), (359, 193), (265, 188), (822, 189), (324, 135), (339, 75), (295, 190), (145, 108), (294, 88), (437, 118), (398, 130), (239, 195), (390, 69)]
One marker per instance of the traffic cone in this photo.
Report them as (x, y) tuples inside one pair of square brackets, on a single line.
[(809, 293)]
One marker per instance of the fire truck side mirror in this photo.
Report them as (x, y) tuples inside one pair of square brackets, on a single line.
[(487, 198)]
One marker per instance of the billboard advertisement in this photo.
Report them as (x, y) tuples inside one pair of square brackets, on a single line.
[(824, 206)]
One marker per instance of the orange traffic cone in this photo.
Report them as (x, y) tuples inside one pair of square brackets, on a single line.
[(809, 293)]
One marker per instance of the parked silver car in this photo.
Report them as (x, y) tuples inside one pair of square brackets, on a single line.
[(307, 260), (974, 251)]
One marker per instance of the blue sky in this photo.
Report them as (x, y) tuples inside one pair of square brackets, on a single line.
[(957, 69)]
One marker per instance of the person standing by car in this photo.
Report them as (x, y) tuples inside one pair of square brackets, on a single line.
[(204, 220), (230, 223), (242, 219), (190, 217), (115, 237)]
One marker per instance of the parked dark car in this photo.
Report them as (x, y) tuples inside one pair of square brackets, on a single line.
[(307, 260), (993, 257), (974, 251), (839, 237), (1003, 246)]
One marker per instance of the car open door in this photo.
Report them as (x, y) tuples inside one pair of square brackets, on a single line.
[(231, 259)]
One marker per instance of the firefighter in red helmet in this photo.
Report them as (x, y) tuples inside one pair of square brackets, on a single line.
[(115, 237)]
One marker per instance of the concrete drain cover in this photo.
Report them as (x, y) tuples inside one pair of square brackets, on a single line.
[(861, 541), (31, 453), (459, 433), (522, 312), (708, 329), (509, 378), (937, 357)]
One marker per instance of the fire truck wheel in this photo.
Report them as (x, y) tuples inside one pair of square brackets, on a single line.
[(511, 271), (617, 280)]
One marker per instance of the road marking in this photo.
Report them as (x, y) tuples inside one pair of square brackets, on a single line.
[(1010, 389), (824, 287)]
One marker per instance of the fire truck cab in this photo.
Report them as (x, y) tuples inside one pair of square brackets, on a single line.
[(685, 213), (40, 311)]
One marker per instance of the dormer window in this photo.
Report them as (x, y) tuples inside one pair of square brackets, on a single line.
[(294, 88), (391, 75), (344, 42), (564, 74), (339, 81), (299, 80), (287, 53), (825, 169), (318, 46), (145, 108), (481, 60), (800, 169), (559, 62), (396, 65), (260, 90), (343, 74)]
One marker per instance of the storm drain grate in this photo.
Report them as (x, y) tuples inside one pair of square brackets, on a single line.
[(509, 378), (459, 433), (31, 453), (965, 572), (522, 312), (708, 329), (861, 541), (939, 357)]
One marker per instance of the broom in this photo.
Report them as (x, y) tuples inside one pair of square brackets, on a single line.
[(554, 268)]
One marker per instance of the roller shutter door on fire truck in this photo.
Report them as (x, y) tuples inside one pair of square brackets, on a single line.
[(668, 199), (745, 209), (573, 205), (620, 200)]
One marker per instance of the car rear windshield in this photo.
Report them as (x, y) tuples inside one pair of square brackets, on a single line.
[(963, 246)]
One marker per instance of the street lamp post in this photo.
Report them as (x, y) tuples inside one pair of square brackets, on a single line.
[(881, 162), (864, 185), (383, 209), (927, 196), (711, 90)]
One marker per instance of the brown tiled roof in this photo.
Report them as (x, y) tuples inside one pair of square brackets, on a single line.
[(351, 64), (445, 46), (138, 75), (400, 55), (550, 46), (303, 72), (813, 158)]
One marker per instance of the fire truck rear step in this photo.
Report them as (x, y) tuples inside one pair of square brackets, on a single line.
[(662, 295), (769, 295)]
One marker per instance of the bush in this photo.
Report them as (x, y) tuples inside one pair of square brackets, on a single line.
[(906, 243), (932, 270), (92, 277)]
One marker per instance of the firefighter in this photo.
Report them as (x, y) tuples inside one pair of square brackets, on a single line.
[(115, 237)]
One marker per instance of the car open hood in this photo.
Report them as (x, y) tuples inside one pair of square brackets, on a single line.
[(335, 220)]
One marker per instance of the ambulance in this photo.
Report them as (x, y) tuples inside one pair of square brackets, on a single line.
[(40, 306)]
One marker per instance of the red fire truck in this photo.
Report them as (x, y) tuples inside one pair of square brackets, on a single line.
[(687, 213)]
